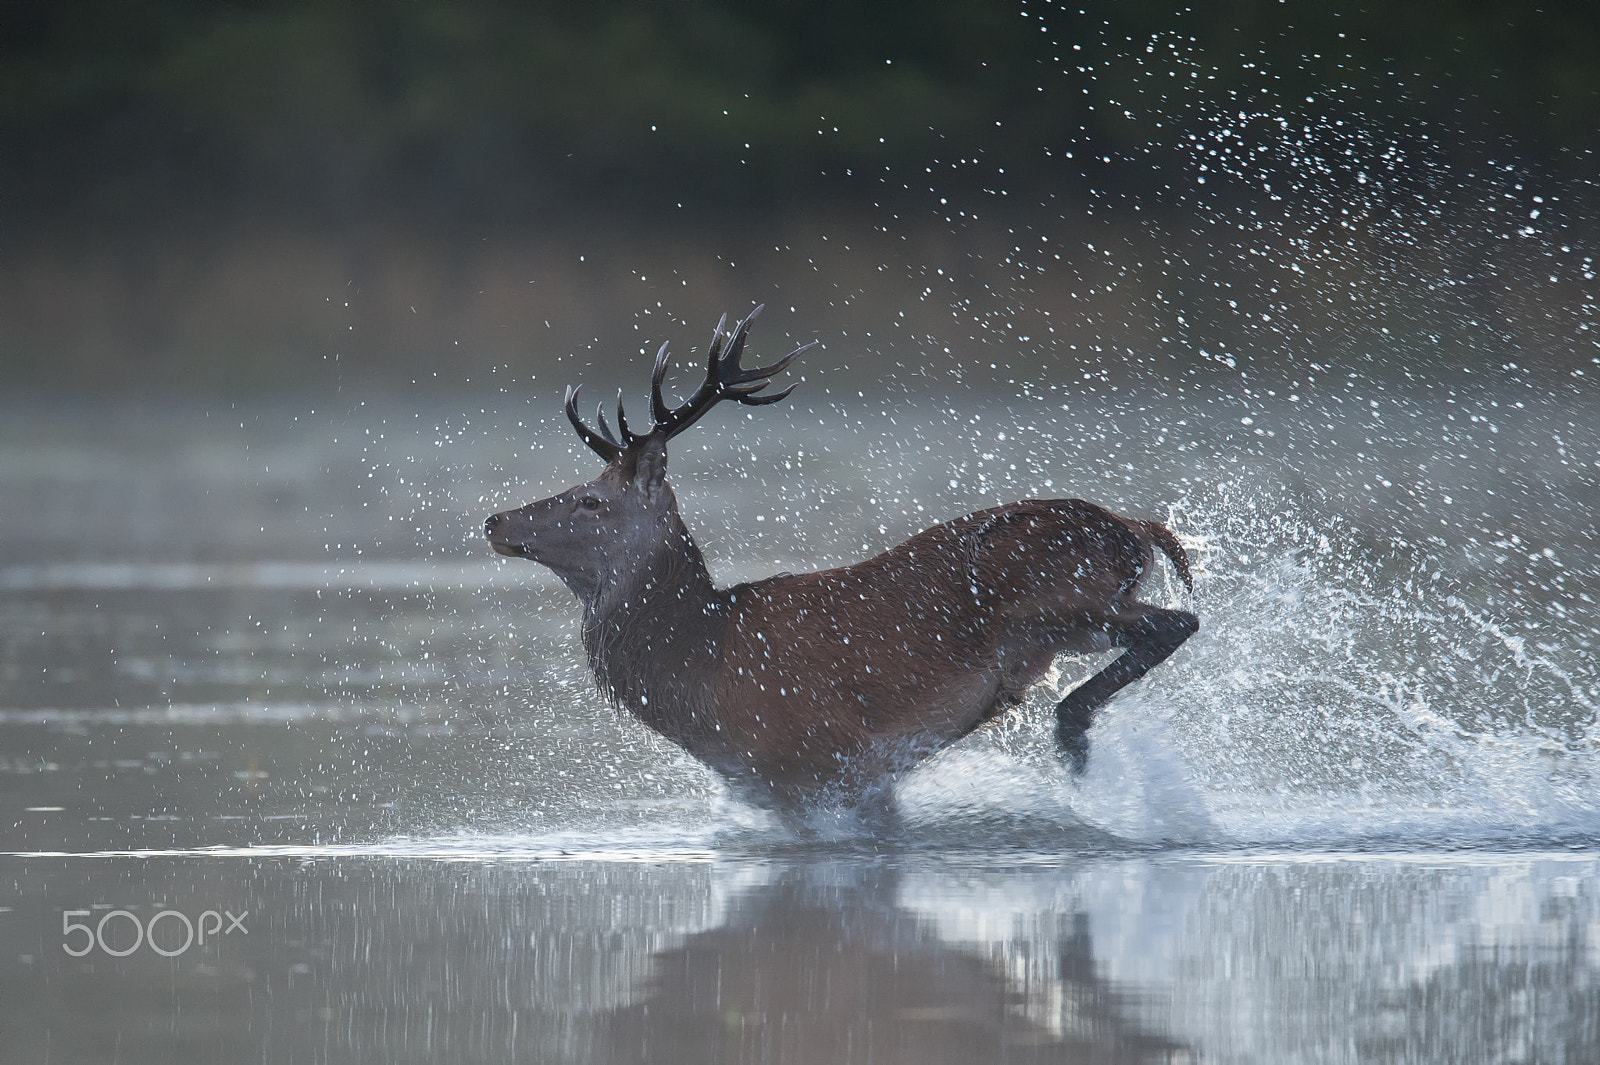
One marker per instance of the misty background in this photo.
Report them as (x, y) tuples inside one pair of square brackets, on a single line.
[(264, 198)]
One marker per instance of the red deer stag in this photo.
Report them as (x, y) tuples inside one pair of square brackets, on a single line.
[(828, 685)]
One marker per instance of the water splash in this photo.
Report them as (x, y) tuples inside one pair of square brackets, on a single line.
[(1336, 695)]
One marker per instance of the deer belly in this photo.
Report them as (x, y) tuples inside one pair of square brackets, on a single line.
[(803, 734), (788, 729)]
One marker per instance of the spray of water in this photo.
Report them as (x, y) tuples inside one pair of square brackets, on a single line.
[(1348, 361)]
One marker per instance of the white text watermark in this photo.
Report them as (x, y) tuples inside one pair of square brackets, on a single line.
[(169, 933)]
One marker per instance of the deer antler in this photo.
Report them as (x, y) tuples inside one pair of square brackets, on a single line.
[(605, 446), (725, 379)]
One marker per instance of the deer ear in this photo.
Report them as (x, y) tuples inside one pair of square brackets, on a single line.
[(650, 468)]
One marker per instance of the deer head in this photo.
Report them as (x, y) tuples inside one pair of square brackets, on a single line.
[(612, 531)]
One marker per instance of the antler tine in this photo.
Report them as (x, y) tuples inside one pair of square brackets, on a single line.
[(605, 430), (658, 376), (730, 358), (622, 423), (761, 401), (715, 350), (606, 449), (776, 368)]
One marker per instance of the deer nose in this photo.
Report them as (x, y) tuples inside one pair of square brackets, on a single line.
[(492, 522)]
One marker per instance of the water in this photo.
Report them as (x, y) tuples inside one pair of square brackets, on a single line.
[(475, 953), (262, 681), (1353, 819)]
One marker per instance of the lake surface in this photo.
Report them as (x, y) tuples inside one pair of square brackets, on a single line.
[(258, 664)]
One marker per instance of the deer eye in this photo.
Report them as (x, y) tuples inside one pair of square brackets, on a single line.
[(589, 503)]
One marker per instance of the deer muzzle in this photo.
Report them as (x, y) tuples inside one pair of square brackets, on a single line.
[(505, 536)]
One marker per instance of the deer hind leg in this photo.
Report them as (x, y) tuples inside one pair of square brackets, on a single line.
[(1148, 636)]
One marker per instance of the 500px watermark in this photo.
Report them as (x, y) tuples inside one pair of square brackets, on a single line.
[(177, 936)]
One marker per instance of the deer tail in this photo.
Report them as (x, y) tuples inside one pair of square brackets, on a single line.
[(1170, 547)]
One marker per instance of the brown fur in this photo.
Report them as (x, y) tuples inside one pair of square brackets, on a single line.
[(839, 679), (797, 685), (892, 658)]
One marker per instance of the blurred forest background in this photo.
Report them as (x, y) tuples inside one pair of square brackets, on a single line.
[(210, 195)]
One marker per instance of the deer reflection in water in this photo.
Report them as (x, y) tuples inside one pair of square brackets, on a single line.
[(827, 967)]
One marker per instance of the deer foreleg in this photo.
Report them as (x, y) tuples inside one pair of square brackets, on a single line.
[(1149, 638)]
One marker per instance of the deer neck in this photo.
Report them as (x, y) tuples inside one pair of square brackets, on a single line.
[(653, 634)]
